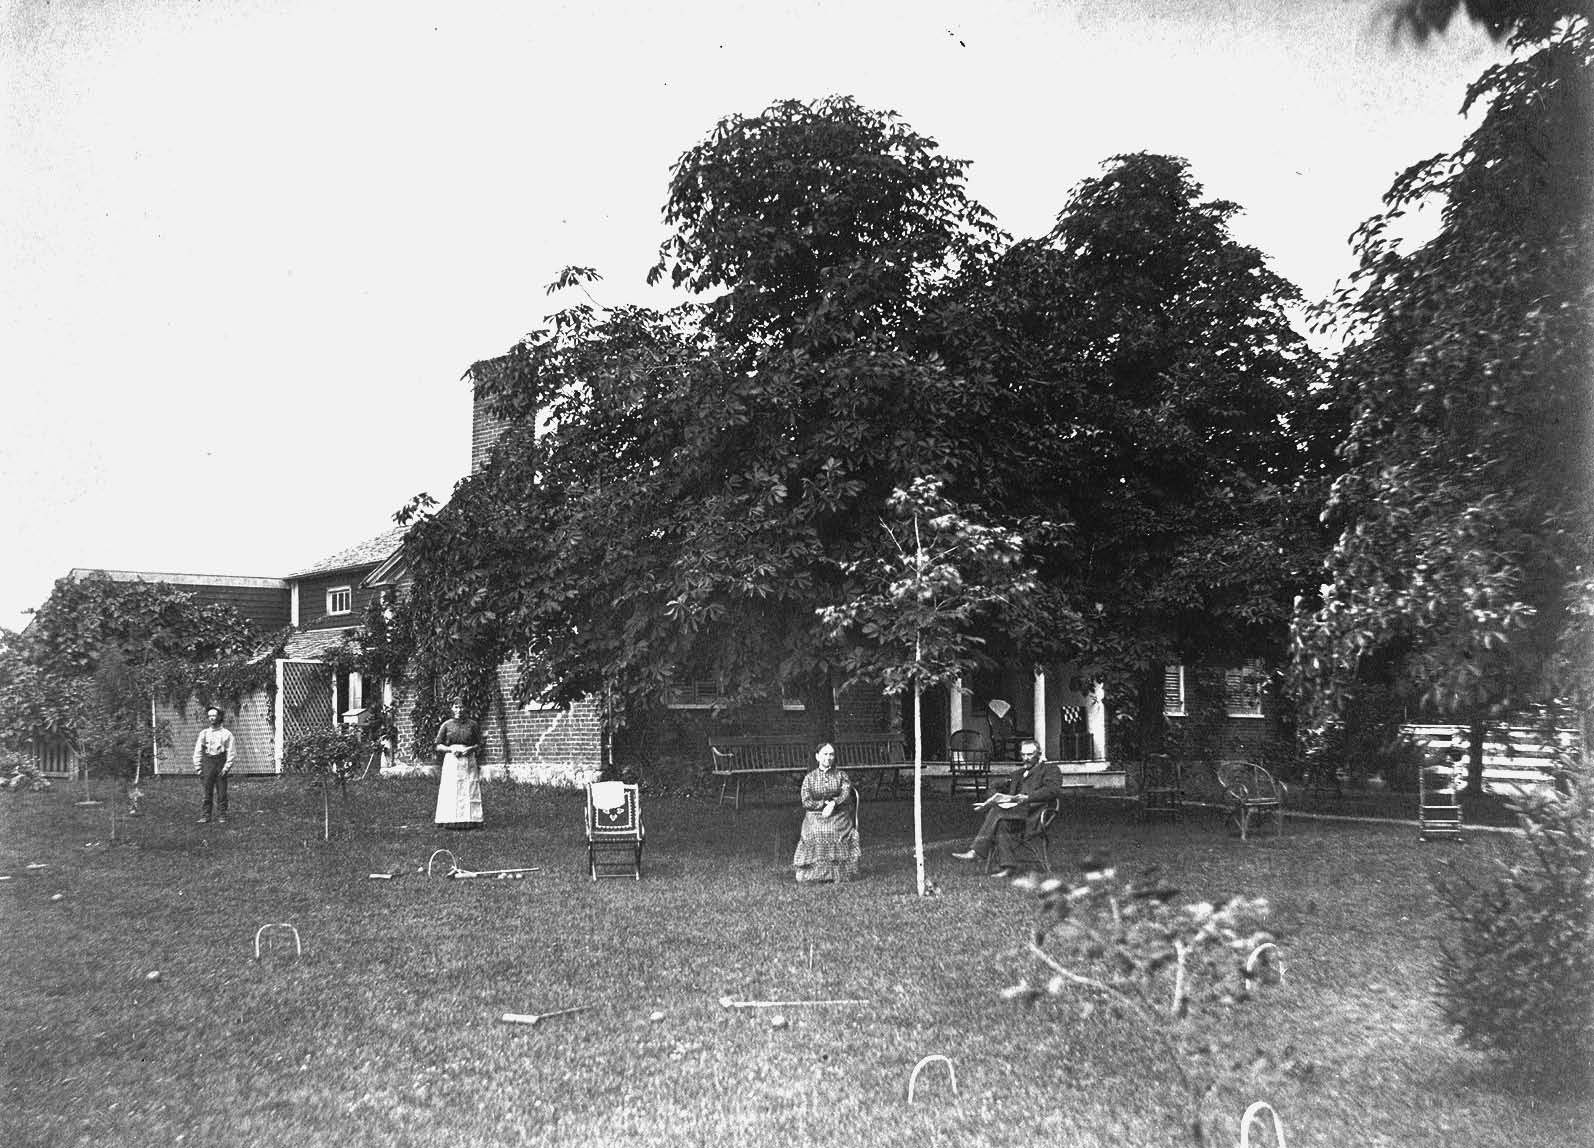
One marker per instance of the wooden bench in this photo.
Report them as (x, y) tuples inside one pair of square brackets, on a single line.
[(736, 759)]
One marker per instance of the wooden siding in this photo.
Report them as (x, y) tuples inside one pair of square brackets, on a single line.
[(265, 607), (263, 601), (313, 599)]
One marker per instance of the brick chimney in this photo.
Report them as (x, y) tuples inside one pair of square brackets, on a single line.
[(486, 428)]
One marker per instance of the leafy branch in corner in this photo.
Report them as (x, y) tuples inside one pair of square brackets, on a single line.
[(1177, 969)]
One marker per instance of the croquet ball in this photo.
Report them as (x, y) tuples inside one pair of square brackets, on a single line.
[(153, 975), (58, 896), (656, 1017), (777, 1021)]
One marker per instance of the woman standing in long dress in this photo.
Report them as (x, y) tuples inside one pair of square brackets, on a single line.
[(459, 792), (828, 849)]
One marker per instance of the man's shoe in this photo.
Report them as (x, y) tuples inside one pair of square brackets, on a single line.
[(221, 821), (967, 855), (203, 821), (1003, 873)]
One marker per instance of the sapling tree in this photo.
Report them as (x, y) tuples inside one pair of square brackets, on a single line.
[(1128, 944), (328, 758), (911, 616)]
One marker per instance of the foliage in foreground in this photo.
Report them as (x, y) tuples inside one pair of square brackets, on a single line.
[(1177, 969), (1518, 978)]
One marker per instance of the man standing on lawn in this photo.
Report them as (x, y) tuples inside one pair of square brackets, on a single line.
[(1014, 812), (213, 756)]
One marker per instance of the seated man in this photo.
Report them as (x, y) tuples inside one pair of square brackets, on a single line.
[(1014, 811)]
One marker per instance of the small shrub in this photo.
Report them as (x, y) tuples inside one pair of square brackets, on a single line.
[(1519, 979), (22, 776), (1127, 943), (328, 755)]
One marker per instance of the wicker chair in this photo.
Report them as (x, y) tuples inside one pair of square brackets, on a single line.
[(1252, 793)]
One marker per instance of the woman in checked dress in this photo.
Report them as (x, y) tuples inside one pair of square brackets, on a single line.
[(828, 849)]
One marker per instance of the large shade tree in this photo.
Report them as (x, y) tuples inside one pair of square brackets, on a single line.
[(682, 489), (1463, 572), (1159, 403)]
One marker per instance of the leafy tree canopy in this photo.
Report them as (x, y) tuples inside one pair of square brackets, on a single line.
[(96, 652), (700, 475), (1464, 566), (1158, 400), (685, 491)]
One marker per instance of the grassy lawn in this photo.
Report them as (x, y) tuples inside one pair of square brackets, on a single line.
[(387, 1032)]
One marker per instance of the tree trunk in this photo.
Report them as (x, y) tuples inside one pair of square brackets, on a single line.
[(1475, 733), (1150, 723), (820, 702), (918, 784)]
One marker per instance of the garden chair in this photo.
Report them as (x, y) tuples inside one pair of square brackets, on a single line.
[(1251, 793), (1439, 801), (969, 753), (1034, 840), (1161, 787), (614, 830)]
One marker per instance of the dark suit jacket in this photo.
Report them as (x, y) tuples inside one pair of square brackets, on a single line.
[(1042, 784)]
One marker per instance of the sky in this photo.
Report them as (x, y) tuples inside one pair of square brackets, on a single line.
[(250, 246)]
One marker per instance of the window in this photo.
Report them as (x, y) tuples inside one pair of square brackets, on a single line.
[(705, 693), (1242, 690), (693, 694), (1173, 691), (340, 600)]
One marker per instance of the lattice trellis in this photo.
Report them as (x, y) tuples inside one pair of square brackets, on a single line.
[(304, 692)]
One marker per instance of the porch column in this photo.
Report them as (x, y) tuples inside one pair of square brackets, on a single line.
[(1096, 720), (276, 736), (1040, 712), (954, 706)]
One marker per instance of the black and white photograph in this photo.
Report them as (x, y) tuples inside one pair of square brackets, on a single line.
[(843, 575)]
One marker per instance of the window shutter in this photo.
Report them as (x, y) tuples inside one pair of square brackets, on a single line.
[(1242, 689), (1173, 690)]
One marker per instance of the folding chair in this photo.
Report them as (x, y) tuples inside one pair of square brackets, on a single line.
[(614, 830), (1438, 802)]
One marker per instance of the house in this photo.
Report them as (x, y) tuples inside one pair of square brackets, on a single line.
[(1066, 713), (1061, 706), (263, 601), (1217, 712), (322, 604)]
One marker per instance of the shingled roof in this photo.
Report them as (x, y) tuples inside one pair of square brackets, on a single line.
[(368, 553)]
